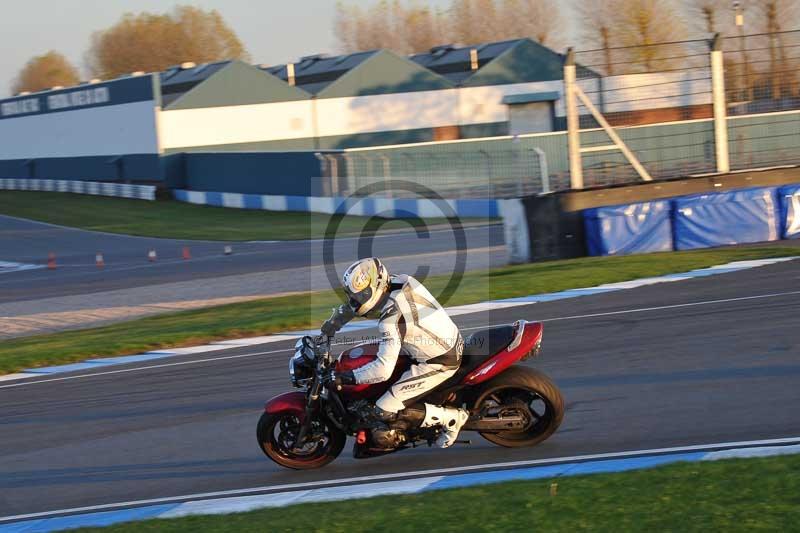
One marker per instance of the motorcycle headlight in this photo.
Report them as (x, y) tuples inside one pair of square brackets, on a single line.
[(301, 365)]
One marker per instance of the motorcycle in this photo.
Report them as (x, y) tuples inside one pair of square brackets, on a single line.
[(510, 406)]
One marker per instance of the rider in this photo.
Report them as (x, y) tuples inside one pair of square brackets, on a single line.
[(410, 319)]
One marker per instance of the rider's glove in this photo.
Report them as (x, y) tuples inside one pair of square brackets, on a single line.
[(338, 379), (340, 316)]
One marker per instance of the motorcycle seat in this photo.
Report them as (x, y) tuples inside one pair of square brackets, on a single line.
[(480, 346)]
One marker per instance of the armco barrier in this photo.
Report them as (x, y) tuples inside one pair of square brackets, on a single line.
[(123, 190), (381, 207), (724, 218), (790, 208), (629, 229)]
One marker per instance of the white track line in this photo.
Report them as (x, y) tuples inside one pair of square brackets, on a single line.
[(674, 306), (414, 474), (573, 317), (120, 371)]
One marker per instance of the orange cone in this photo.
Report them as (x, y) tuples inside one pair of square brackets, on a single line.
[(186, 254), (151, 256), (98, 260), (51, 261)]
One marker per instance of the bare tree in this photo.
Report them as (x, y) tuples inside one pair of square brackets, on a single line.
[(538, 19), (152, 42), (772, 17), (599, 20), (44, 72), (641, 24), (399, 26), (709, 16), (475, 21), (413, 27)]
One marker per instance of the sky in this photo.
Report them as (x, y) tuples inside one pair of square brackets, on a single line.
[(273, 31)]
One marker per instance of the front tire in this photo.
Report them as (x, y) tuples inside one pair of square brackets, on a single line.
[(523, 388), (276, 437)]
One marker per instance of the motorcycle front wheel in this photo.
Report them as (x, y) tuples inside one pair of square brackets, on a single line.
[(525, 391), (277, 435)]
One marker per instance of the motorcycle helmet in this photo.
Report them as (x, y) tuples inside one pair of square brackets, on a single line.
[(365, 283)]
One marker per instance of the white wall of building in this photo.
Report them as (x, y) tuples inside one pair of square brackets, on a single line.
[(210, 126), (330, 117), (115, 129)]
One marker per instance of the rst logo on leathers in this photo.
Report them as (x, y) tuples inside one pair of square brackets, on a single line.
[(411, 386)]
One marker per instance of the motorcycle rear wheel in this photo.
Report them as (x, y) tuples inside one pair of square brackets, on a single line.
[(276, 434), (522, 386)]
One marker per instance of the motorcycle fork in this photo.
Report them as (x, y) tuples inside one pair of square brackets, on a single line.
[(313, 397)]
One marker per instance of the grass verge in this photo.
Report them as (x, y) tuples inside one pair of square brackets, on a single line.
[(178, 220), (730, 495), (270, 315)]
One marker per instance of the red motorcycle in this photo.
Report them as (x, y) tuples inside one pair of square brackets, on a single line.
[(511, 406)]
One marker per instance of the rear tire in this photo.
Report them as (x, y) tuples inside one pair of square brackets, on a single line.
[(275, 432), (522, 384)]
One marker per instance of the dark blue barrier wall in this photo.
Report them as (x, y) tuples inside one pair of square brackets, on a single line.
[(733, 217), (173, 170), (629, 229), (129, 167), (283, 173), (790, 205)]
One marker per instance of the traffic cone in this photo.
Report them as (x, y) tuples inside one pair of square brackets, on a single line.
[(228, 250), (186, 254), (51, 261), (98, 260), (151, 256)]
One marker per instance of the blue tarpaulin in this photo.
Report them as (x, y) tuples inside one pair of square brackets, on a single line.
[(732, 217), (790, 207), (629, 229)]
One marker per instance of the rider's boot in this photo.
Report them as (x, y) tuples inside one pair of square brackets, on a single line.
[(450, 418)]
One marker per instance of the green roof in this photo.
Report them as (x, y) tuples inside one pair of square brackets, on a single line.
[(238, 83), (385, 73), (527, 61)]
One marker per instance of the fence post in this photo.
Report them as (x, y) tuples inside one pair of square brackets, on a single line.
[(543, 172), (720, 111), (573, 123), (488, 159)]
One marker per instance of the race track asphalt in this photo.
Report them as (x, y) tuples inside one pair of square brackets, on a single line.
[(692, 362), (25, 241)]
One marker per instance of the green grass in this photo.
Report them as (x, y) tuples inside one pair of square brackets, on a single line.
[(309, 310), (178, 220), (730, 495)]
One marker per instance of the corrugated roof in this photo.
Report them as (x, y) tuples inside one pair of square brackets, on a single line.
[(314, 73)]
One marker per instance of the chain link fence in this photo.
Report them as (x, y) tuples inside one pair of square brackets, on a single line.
[(762, 93), (659, 102), (633, 87), (505, 167)]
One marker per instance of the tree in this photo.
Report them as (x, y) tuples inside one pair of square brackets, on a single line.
[(538, 19), (599, 31), (404, 28), (44, 72), (710, 16), (640, 25), (473, 21), (773, 17), (153, 42), (408, 27)]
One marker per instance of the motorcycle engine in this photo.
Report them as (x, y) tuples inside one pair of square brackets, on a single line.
[(388, 438), (383, 436)]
